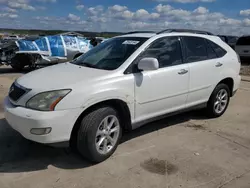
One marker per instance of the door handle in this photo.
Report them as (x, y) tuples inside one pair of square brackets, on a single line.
[(218, 64), (183, 71)]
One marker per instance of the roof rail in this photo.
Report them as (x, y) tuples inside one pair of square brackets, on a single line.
[(184, 31), (134, 32)]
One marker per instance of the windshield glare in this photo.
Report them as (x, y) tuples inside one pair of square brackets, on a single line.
[(110, 54)]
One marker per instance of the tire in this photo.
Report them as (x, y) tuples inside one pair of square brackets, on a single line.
[(19, 62), (17, 67), (87, 137), (32, 67), (213, 110)]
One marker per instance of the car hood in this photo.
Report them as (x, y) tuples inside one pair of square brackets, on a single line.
[(61, 76)]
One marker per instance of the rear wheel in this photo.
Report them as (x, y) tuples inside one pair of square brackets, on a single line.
[(219, 101), (99, 134)]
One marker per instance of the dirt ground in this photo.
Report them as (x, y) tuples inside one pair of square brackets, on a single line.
[(187, 150), (245, 69)]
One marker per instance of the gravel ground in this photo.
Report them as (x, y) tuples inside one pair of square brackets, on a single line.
[(183, 151), (245, 70)]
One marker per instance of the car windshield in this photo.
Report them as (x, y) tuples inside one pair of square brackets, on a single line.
[(111, 54), (244, 41)]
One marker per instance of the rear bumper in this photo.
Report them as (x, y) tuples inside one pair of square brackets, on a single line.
[(23, 120)]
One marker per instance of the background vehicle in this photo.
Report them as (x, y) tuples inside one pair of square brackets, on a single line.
[(49, 50), (7, 51), (230, 40), (34, 50), (243, 47), (120, 85), (13, 37)]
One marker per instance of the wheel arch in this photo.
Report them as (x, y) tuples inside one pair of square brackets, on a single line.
[(229, 82), (119, 105)]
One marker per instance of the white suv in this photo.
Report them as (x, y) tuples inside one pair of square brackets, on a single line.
[(120, 85)]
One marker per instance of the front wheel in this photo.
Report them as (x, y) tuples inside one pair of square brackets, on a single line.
[(17, 67), (219, 101), (19, 61), (99, 134)]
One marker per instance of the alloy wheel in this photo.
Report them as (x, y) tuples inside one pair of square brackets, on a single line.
[(107, 134), (221, 101)]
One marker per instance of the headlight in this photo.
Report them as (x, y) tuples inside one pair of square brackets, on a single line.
[(47, 101)]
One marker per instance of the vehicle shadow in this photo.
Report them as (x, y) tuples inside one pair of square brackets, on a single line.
[(20, 155), (164, 123), (8, 70)]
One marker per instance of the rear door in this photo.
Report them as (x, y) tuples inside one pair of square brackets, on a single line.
[(205, 65)]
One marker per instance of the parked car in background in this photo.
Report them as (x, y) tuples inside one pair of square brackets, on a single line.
[(13, 37), (243, 47), (230, 40), (120, 85), (8, 48), (7, 51), (34, 50)]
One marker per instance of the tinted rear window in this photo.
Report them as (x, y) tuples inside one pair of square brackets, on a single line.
[(244, 41), (218, 50)]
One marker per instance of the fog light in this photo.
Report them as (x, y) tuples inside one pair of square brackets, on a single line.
[(41, 131)]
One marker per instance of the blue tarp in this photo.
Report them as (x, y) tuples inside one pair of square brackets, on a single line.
[(25, 45), (84, 43), (57, 45), (42, 44), (70, 42)]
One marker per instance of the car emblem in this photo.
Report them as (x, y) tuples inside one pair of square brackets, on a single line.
[(11, 89)]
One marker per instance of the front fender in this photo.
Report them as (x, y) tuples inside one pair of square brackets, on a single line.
[(84, 101)]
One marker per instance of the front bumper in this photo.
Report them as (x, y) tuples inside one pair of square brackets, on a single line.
[(23, 120)]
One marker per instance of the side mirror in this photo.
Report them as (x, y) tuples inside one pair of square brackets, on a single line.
[(147, 64)]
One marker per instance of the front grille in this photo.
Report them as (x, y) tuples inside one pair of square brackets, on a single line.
[(16, 92)]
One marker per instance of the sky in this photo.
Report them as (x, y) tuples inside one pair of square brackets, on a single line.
[(229, 17)]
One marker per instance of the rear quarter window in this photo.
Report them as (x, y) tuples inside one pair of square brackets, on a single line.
[(220, 52)]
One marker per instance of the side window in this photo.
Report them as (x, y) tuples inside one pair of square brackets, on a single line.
[(167, 50), (218, 50), (195, 48), (210, 51)]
